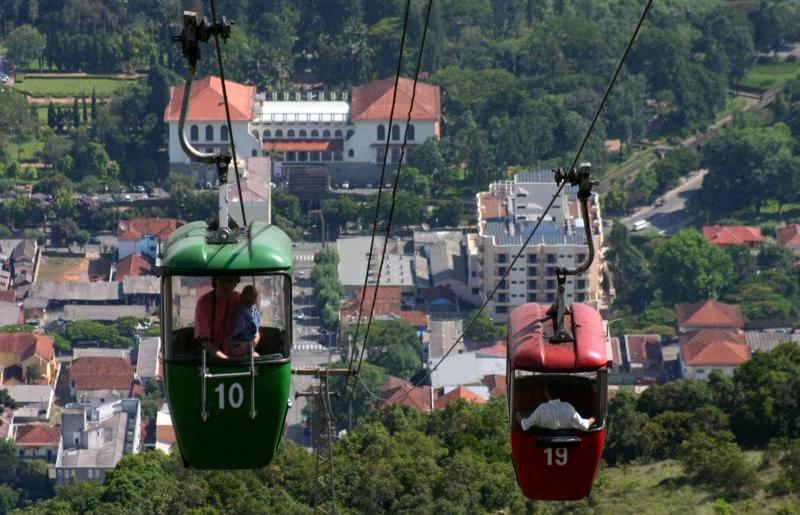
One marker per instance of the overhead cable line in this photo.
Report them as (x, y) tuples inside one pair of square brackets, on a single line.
[(227, 112), (394, 189), (549, 205), (380, 189)]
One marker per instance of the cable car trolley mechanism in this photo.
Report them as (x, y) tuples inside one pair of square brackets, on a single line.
[(228, 391), (558, 361)]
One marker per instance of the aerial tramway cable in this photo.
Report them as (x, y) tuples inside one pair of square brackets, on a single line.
[(380, 190), (227, 112), (388, 227), (549, 205)]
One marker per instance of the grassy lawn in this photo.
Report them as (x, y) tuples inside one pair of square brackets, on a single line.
[(71, 86), (27, 150), (771, 74)]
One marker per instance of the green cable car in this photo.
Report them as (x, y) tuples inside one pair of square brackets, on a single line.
[(228, 412)]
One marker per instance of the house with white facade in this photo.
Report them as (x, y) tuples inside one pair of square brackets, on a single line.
[(343, 132), (507, 214)]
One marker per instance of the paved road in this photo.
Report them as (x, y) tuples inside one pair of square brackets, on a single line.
[(671, 216), (307, 351)]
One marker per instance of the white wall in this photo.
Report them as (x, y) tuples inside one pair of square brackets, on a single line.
[(366, 134), (245, 142)]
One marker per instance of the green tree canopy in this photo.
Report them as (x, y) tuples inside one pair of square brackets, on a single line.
[(687, 268)]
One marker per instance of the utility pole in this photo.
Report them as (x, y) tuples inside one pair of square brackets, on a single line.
[(323, 434)]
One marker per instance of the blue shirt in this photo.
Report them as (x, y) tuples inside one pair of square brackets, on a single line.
[(246, 323)]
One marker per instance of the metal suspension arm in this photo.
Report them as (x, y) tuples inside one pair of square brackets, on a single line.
[(582, 178)]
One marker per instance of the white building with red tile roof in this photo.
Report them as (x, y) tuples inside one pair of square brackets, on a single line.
[(38, 441), (722, 350), (333, 130)]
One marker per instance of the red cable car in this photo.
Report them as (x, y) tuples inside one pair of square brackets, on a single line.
[(557, 464), (558, 353)]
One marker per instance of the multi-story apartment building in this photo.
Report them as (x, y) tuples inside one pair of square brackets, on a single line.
[(507, 214), (344, 132)]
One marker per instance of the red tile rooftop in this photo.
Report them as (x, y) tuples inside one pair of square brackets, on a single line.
[(207, 104), (710, 314), (732, 234), (138, 227), (373, 101), (720, 353), (491, 206), (37, 436), (99, 373), (789, 236), (457, 394)]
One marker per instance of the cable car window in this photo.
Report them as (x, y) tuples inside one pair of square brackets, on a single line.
[(270, 307), (585, 391)]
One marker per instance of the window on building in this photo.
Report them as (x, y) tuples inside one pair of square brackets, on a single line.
[(502, 258), (291, 156), (290, 133), (551, 297), (476, 291), (532, 258), (302, 156), (254, 153), (267, 134), (501, 270), (501, 309), (551, 284), (315, 156), (581, 257), (551, 258), (580, 297), (279, 133), (326, 133), (395, 132), (551, 270), (209, 133), (337, 134), (503, 285), (194, 133), (255, 134), (531, 297), (337, 156), (532, 271), (302, 133), (380, 154), (349, 134), (502, 297), (326, 156), (315, 133), (532, 284), (381, 132), (581, 285), (350, 153), (223, 133), (410, 133), (395, 155)]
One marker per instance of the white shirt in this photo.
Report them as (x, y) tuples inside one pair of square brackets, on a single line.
[(555, 414)]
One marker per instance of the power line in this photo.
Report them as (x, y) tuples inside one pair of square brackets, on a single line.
[(380, 189), (394, 189), (227, 112), (549, 205)]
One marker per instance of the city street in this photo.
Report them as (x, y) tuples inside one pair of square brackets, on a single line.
[(671, 216), (307, 351)]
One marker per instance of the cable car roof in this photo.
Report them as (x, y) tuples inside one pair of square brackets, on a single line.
[(530, 348), (188, 252)]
